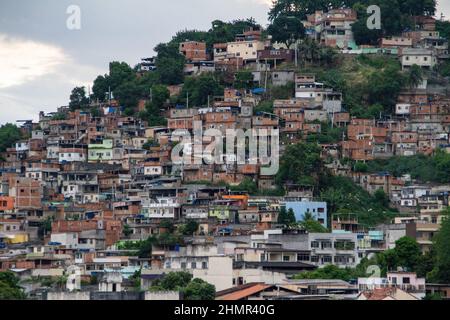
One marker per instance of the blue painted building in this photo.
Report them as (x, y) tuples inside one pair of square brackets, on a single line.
[(317, 209)]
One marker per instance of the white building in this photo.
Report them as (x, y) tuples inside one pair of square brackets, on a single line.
[(162, 208), (424, 58)]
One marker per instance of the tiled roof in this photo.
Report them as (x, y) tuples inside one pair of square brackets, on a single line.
[(241, 292)]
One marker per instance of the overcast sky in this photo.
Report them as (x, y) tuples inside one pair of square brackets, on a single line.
[(41, 60)]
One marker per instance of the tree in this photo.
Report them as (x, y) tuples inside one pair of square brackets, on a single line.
[(128, 93), (361, 167), (442, 247), (382, 197), (152, 115), (300, 164), (414, 76), (361, 33), (9, 287), (329, 271), (243, 80), (264, 106), (291, 216), (286, 217), (160, 94), (78, 99), (313, 226), (9, 134), (287, 30), (199, 289), (384, 86), (189, 228), (200, 90), (101, 87), (145, 247), (127, 231), (408, 253), (120, 73), (136, 279), (248, 185), (301, 8), (282, 216), (173, 281), (169, 64)]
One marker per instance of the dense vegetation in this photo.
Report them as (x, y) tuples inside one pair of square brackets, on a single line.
[(191, 289), (421, 167), (9, 134), (301, 164), (9, 287)]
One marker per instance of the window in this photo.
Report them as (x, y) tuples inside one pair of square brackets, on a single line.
[(286, 258), (326, 244), (406, 280), (314, 244), (302, 257), (204, 265), (193, 265)]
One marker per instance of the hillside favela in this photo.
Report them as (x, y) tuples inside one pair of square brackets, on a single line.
[(303, 158)]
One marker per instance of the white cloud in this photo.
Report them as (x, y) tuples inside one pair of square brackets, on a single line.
[(22, 61)]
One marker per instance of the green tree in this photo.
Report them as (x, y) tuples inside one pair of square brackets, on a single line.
[(173, 281), (414, 76), (264, 106), (384, 86), (311, 225), (189, 228), (160, 94), (101, 87), (9, 135), (328, 272), (78, 98), (287, 30), (442, 247), (243, 80), (282, 216), (200, 90), (198, 289), (152, 115), (300, 164), (128, 93), (382, 197), (408, 253), (145, 247), (248, 185), (9, 287), (291, 216), (169, 64), (127, 231), (301, 8), (361, 167)]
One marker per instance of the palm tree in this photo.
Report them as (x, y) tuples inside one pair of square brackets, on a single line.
[(307, 216), (414, 76)]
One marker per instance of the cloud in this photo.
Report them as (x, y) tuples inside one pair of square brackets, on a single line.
[(22, 60)]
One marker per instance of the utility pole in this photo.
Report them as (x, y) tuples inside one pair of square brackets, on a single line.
[(187, 99)]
